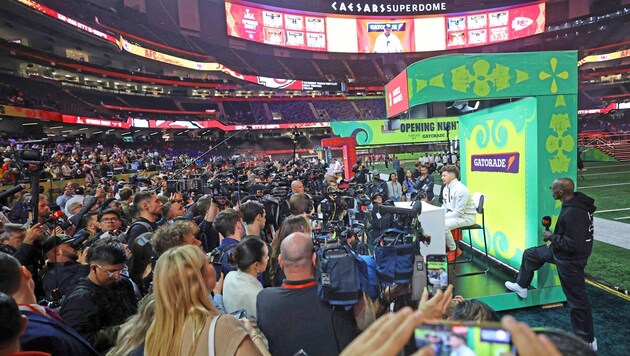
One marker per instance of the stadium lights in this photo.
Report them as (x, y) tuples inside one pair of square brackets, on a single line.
[(83, 129), (97, 132), (30, 124), (55, 127)]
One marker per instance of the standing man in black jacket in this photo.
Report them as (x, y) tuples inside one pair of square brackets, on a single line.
[(99, 303), (149, 210), (569, 247)]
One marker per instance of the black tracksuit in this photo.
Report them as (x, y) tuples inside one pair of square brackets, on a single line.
[(571, 245)]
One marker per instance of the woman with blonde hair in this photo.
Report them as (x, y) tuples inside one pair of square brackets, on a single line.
[(130, 340), (293, 223), (186, 322)]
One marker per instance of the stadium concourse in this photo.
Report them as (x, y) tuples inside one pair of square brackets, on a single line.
[(169, 183)]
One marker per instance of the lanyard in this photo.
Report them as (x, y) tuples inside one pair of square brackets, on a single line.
[(299, 286)]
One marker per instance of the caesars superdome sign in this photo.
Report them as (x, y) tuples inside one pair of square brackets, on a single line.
[(385, 7), (379, 8)]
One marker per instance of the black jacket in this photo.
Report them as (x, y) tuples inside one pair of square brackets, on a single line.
[(62, 276), (572, 237), (139, 227), (96, 312)]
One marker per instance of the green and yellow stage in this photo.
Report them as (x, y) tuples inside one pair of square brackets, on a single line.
[(511, 153)]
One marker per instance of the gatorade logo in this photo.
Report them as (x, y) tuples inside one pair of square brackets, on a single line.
[(500, 162)]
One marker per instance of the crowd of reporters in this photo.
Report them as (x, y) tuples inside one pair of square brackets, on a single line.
[(223, 260)]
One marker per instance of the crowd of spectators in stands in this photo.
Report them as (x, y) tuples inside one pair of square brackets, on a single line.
[(611, 122), (47, 94)]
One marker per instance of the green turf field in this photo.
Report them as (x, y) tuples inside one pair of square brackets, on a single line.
[(609, 184)]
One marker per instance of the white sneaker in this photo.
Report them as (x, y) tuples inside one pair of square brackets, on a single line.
[(593, 344), (514, 287)]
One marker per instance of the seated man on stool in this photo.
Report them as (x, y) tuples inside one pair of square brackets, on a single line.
[(460, 209), (570, 246)]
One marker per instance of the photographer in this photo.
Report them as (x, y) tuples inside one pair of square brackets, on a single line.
[(149, 209), (254, 216), (109, 223), (102, 301), (208, 235), (18, 241), (425, 183), (62, 270), (380, 222), (333, 207), (228, 223), (377, 185), (297, 304), (299, 204), (89, 226), (170, 211), (359, 172), (68, 193)]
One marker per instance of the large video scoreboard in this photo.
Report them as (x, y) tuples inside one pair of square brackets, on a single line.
[(381, 34)]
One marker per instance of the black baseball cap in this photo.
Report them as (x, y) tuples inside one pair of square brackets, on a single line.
[(56, 240)]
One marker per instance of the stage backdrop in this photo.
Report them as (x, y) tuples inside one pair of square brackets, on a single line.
[(389, 132), (511, 153)]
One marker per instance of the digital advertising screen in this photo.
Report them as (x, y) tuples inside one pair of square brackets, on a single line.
[(363, 34), (397, 95), (276, 28)]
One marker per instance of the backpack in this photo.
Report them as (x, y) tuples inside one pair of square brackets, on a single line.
[(395, 253), (342, 277), (123, 237)]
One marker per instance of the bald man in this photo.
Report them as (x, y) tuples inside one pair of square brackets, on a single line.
[(569, 247), (297, 187), (284, 313)]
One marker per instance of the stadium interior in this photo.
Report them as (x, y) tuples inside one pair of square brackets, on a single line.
[(170, 79)]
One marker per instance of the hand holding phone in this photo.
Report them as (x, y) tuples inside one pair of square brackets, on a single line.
[(435, 307), (448, 338), (437, 273)]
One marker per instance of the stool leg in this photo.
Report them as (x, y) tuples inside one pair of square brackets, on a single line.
[(485, 244)]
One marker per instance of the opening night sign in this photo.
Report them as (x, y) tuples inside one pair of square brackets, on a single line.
[(498, 162)]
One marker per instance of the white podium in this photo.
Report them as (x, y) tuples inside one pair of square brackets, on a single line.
[(432, 220)]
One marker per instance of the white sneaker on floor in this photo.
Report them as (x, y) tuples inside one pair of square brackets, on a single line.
[(514, 287), (593, 344)]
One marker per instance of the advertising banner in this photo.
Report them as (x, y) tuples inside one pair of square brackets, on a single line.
[(604, 57), (276, 28), (397, 95), (80, 120), (16, 111), (275, 83), (152, 123), (70, 21), (502, 163), (480, 28), (381, 132)]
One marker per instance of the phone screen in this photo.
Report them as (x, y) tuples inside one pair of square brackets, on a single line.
[(464, 339), (437, 273)]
